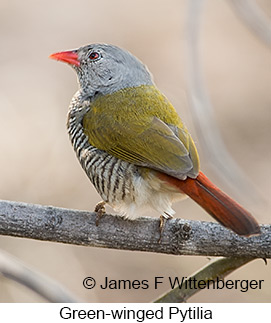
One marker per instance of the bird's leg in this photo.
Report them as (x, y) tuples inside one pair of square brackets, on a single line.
[(163, 218), (100, 210)]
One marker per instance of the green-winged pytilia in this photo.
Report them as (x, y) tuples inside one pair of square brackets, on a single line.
[(133, 145)]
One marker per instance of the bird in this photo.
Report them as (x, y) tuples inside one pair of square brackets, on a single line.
[(132, 144)]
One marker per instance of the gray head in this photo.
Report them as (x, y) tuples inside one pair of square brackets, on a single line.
[(105, 68)]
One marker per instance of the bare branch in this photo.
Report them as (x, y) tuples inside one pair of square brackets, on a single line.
[(13, 269), (218, 268), (254, 18), (180, 237), (203, 114)]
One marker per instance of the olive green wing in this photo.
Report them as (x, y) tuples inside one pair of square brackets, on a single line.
[(148, 142)]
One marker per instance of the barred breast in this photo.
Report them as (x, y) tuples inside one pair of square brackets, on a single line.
[(127, 188)]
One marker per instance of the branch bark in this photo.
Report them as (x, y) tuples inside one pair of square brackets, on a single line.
[(180, 237)]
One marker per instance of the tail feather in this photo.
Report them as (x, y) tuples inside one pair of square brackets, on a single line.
[(218, 204)]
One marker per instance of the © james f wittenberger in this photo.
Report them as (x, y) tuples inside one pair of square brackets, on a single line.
[(243, 285)]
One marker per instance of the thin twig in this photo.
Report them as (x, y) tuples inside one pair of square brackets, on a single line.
[(217, 269), (180, 237), (203, 115), (254, 18), (12, 268)]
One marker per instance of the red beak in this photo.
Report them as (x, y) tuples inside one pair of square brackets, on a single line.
[(70, 57)]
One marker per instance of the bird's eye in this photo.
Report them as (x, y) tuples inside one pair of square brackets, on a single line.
[(94, 55)]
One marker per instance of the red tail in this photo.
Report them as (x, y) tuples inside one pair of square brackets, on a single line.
[(219, 205)]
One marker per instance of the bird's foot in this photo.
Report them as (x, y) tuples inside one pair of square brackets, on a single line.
[(100, 210), (163, 219)]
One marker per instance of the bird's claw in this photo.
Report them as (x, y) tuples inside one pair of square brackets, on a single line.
[(100, 211), (161, 227), (163, 219)]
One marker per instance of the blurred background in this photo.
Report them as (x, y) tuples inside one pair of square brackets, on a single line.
[(37, 162)]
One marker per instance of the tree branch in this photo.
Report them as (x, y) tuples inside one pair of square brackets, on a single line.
[(180, 237)]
